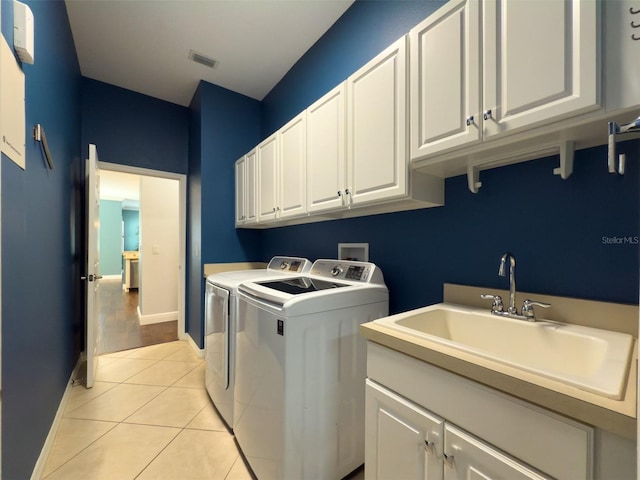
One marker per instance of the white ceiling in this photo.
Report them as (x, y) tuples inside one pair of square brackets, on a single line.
[(143, 45)]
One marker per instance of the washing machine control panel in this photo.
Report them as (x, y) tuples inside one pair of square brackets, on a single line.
[(289, 264), (344, 270)]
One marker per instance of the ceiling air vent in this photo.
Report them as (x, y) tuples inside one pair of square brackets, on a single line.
[(202, 59)]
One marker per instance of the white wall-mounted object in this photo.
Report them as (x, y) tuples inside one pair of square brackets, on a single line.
[(12, 111), (353, 251), (23, 32)]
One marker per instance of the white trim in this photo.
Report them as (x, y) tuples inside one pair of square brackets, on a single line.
[(0, 304), (157, 317), (38, 470), (198, 351), (182, 221)]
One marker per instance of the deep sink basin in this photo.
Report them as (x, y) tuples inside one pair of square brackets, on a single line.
[(587, 358)]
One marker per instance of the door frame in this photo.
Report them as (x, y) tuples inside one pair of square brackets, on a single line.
[(182, 227)]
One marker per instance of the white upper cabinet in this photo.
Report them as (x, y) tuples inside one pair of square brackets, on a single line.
[(245, 169), (251, 188), (445, 79), (377, 156), (267, 175), (540, 62), (240, 190), (326, 151), (484, 69), (293, 167)]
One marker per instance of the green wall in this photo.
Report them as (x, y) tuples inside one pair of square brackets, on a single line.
[(110, 237)]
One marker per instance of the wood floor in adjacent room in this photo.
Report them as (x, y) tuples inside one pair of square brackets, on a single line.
[(120, 328)]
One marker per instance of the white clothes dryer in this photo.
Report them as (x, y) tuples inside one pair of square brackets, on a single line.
[(221, 310), (301, 367)]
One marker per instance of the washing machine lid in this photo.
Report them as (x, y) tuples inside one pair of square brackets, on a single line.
[(300, 285), (330, 284), (279, 266)]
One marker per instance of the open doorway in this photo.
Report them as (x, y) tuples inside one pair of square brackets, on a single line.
[(142, 257)]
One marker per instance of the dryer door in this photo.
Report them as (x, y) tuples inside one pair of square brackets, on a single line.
[(217, 335)]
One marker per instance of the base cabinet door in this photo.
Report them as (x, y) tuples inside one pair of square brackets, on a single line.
[(467, 458), (403, 441)]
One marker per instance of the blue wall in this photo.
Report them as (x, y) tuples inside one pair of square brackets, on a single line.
[(110, 237), (363, 31), (223, 126), (134, 129), (41, 266), (553, 227), (131, 220)]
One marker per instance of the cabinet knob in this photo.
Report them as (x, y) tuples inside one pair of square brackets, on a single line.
[(448, 459), (347, 192), (487, 114), (429, 447), (469, 121), (339, 193)]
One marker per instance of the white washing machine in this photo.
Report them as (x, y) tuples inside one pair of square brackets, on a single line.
[(301, 368), (221, 310)]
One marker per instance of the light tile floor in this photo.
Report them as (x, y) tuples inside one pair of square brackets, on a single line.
[(148, 416)]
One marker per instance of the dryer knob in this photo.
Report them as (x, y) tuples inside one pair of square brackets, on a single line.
[(284, 265), (335, 271)]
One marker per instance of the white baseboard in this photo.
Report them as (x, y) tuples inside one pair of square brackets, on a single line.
[(199, 351), (157, 317), (38, 470)]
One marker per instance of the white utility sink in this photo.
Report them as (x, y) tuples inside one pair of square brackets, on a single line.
[(587, 358)]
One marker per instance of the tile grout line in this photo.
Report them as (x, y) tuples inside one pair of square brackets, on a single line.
[(123, 421), (82, 449)]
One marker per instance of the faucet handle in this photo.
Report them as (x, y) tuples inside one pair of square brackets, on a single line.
[(527, 308), (497, 305)]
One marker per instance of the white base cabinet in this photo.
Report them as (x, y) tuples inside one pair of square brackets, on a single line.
[(406, 442), (403, 440), (423, 422)]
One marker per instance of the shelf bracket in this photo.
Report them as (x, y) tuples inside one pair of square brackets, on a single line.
[(473, 178), (567, 150)]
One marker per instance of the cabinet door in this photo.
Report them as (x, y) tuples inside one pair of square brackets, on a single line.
[(445, 79), (251, 194), (540, 62), (326, 152), (267, 171), (402, 440), (468, 458), (377, 155), (240, 191), (293, 167)]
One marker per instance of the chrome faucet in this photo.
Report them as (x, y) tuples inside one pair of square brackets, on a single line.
[(497, 307), (512, 279)]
